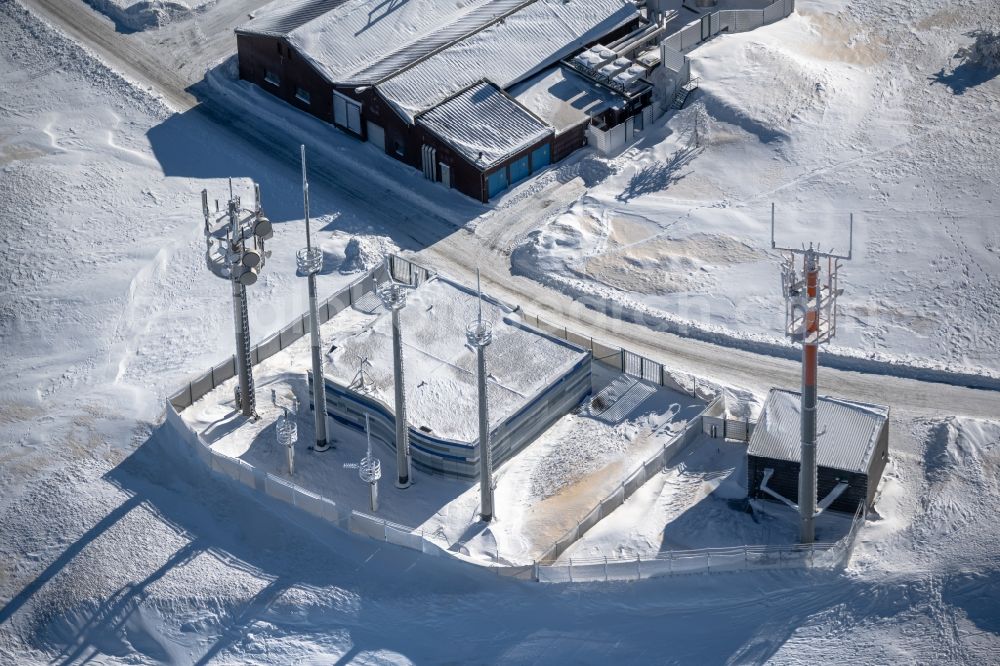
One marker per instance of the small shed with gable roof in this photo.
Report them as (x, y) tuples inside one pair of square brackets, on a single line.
[(852, 448)]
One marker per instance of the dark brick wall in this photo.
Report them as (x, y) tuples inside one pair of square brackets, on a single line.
[(261, 54), (258, 55)]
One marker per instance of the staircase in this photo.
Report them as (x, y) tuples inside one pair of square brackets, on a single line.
[(682, 93)]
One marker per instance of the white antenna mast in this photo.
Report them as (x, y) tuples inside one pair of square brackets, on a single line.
[(370, 467), (310, 261), (480, 334)]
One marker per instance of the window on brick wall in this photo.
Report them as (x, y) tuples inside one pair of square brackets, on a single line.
[(272, 78), (302, 95)]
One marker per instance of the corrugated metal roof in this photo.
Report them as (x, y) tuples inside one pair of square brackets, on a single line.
[(418, 50), (281, 18), (342, 37), (483, 119), (525, 42), (846, 431)]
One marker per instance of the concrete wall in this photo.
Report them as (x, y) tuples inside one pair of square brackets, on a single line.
[(461, 459), (877, 466)]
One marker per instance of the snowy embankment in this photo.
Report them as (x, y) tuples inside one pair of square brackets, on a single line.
[(146, 14), (840, 108)]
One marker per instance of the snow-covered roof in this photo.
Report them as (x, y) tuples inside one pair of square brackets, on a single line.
[(465, 24), (440, 366), (506, 52), (484, 125), (846, 431), (564, 99), (343, 37)]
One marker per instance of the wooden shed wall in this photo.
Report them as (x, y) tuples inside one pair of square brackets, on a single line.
[(878, 462), (785, 482), (567, 142)]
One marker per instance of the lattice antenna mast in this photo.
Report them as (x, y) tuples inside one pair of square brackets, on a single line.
[(810, 319), (235, 251), (394, 299), (479, 333), (310, 261)]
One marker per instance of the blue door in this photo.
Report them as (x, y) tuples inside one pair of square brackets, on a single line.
[(540, 158), (497, 182), (519, 169)]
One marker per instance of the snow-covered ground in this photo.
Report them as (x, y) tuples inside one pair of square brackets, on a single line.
[(843, 107), (117, 549), (698, 502)]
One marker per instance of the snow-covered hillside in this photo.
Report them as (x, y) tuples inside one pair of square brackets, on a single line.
[(843, 107)]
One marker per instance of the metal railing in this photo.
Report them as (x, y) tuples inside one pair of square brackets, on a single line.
[(199, 386), (623, 360)]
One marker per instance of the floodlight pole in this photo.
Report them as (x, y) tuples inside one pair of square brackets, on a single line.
[(394, 299), (310, 261), (480, 334)]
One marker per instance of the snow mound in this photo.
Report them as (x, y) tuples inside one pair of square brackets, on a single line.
[(137, 15), (795, 89), (364, 253), (938, 508)]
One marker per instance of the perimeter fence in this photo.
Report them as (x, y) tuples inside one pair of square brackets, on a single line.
[(546, 568), (705, 560), (672, 48), (726, 20)]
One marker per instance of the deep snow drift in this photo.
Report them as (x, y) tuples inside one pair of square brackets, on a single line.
[(843, 107)]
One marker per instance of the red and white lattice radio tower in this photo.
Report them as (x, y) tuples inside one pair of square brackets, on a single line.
[(810, 319)]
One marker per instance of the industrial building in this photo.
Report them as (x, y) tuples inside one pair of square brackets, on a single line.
[(851, 451), (433, 84), (534, 378)]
